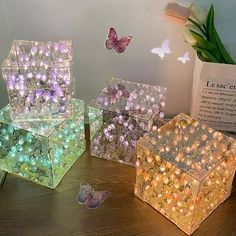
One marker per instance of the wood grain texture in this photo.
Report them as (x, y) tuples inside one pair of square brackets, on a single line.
[(30, 209)]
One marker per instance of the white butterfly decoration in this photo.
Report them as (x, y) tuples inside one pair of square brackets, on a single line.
[(185, 58), (164, 49)]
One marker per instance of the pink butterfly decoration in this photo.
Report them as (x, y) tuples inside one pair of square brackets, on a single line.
[(112, 41), (91, 198)]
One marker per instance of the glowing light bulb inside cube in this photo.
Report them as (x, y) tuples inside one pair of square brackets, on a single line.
[(27, 70), (197, 170), (123, 112)]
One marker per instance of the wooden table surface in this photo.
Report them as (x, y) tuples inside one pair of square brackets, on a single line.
[(30, 209)]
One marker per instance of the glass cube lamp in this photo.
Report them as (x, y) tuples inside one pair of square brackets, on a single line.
[(185, 170), (123, 112), (42, 151), (38, 78)]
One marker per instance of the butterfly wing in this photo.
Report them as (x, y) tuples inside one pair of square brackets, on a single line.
[(85, 192), (184, 58), (158, 51), (165, 46), (164, 49), (111, 39), (126, 40), (181, 59), (122, 44), (97, 198)]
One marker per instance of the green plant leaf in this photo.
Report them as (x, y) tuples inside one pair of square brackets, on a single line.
[(210, 24), (198, 49), (228, 59), (200, 56), (198, 26), (206, 54), (202, 41), (204, 27), (214, 38), (215, 53), (210, 57)]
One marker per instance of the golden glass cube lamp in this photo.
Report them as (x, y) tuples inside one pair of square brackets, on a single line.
[(185, 171)]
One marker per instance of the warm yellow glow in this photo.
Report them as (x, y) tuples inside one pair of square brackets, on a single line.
[(185, 170)]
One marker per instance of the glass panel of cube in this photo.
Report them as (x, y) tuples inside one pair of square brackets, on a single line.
[(123, 112), (185, 170), (42, 151), (38, 78)]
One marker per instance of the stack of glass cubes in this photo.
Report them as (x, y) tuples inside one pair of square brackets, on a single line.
[(42, 128)]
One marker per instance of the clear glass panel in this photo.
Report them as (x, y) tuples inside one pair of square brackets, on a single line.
[(122, 113), (43, 152), (190, 145), (134, 99), (185, 170), (38, 78), (166, 188)]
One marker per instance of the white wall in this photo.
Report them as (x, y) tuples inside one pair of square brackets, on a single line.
[(86, 22)]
